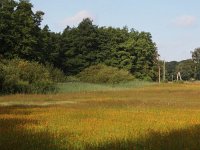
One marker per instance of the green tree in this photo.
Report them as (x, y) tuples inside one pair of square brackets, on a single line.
[(79, 46), (196, 60), (187, 69), (171, 70), (196, 55), (49, 46), (75, 48), (7, 24), (116, 49), (27, 31), (144, 51)]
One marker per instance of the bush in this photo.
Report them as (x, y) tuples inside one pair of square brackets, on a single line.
[(147, 78), (104, 74), (72, 79), (56, 74), (20, 76)]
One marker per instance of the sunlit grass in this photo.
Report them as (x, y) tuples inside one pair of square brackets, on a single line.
[(165, 116)]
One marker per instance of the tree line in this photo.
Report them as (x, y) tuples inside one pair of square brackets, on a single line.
[(189, 68), (76, 48)]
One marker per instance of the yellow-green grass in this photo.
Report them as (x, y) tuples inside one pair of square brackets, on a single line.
[(157, 117), (85, 87)]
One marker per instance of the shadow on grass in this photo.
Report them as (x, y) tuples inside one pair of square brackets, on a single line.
[(14, 136), (183, 139)]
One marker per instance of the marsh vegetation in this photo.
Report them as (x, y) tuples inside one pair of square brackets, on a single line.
[(150, 117)]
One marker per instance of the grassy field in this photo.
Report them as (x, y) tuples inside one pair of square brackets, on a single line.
[(153, 117), (86, 87)]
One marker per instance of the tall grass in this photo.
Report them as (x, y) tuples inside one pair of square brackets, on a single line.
[(158, 117), (87, 87)]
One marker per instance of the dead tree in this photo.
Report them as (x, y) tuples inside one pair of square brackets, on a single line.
[(178, 76)]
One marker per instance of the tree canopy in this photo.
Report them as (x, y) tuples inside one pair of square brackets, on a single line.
[(76, 48)]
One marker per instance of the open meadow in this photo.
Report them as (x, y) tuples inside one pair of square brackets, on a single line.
[(149, 117)]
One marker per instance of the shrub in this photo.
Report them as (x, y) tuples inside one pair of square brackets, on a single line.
[(104, 74), (72, 79), (43, 87), (56, 74), (147, 78), (20, 76)]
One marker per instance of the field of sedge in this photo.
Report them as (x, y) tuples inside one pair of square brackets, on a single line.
[(157, 117)]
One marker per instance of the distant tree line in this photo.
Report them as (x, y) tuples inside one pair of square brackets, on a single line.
[(189, 69), (76, 48)]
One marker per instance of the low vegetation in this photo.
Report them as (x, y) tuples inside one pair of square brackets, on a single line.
[(156, 117), (89, 87), (21, 76), (95, 99), (104, 74)]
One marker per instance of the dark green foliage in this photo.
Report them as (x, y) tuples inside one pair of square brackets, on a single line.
[(104, 74), (187, 69), (79, 47), (196, 60), (19, 30), (56, 74), (171, 70), (197, 72), (27, 31), (7, 28), (50, 47), (75, 48), (20, 76), (196, 55), (89, 45)]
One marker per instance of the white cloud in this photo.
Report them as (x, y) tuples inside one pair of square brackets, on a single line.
[(185, 21), (77, 18)]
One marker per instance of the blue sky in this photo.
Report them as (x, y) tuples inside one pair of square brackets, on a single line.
[(174, 24)]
